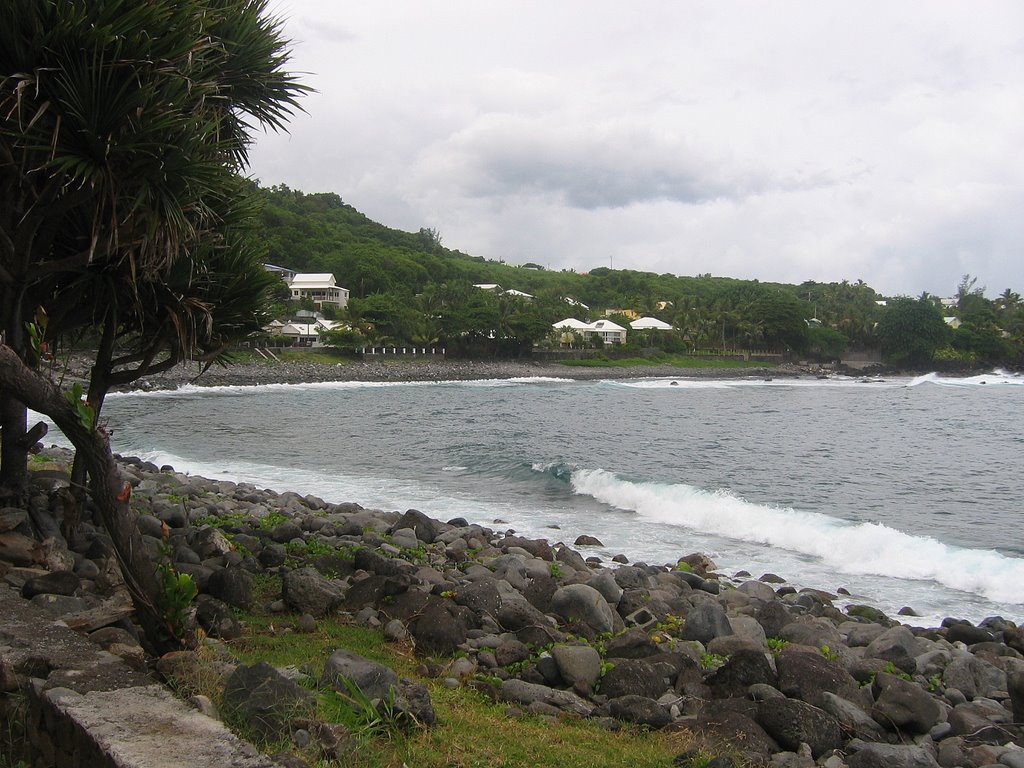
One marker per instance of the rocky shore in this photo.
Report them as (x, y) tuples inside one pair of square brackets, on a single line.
[(762, 673), (383, 369)]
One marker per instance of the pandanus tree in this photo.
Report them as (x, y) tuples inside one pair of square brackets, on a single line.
[(123, 128)]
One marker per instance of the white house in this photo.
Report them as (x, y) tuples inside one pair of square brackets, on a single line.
[(649, 324), (319, 287), (606, 330), (303, 330)]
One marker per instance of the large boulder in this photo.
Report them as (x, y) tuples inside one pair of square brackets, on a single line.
[(640, 710), (743, 669), (440, 629), (897, 645), (577, 664), (852, 717), (901, 705), (806, 676), (231, 585), (875, 755), (306, 590), (633, 677), (263, 701), (706, 621), (373, 680), (584, 604), (426, 528), (792, 722), (973, 676)]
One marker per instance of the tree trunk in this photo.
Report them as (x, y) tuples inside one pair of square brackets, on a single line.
[(110, 493), (13, 413)]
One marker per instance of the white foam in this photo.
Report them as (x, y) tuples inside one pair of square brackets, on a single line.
[(998, 377), (865, 548)]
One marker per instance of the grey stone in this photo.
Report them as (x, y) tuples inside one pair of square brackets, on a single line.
[(743, 669), (792, 722), (633, 677), (604, 582), (57, 583), (233, 586), (264, 700), (374, 680), (582, 603), (807, 675), (523, 692), (901, 705), (640, 710), (577, 663), (851, 717), (705, 622), (306, 590), (874, 755), (897, 645)]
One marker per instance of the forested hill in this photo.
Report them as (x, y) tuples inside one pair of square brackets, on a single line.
[(319, 232), (408, 287)]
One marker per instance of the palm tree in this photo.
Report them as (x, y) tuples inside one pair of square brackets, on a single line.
[(122, 128)]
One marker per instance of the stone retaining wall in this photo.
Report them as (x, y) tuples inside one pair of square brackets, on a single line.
[(88, 709)]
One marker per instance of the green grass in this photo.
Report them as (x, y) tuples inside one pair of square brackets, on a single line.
[(471, 731), (326, 356), (676, 361)]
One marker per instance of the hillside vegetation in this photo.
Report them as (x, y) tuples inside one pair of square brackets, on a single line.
[(408, 288)]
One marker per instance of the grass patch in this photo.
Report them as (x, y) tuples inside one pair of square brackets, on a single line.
[(324, 355), (676, 361), (471, 730)]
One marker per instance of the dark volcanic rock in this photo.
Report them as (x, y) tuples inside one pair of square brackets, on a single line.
[(307, 591), (792, 722), (807, 675), (705, 622), (56, 583), (743, 669), (639, 710), (374, 680), (901, 705), (264, 700), (633, 677), (233, 586)]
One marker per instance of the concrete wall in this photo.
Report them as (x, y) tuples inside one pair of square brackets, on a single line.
[(88, 709)]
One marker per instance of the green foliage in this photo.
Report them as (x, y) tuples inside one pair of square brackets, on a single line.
[(85, 412), (829, 654), (776, 644), (710, 660), (366, 717), (556, 570), (911, 330), (177, 590), (892, 669)]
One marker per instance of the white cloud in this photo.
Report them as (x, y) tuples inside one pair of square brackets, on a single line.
[(782, 141)]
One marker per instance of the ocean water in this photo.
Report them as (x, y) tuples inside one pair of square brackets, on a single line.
[(906, 492)]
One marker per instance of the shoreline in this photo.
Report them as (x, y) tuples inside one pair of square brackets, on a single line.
[(751, 667), (406, 370)]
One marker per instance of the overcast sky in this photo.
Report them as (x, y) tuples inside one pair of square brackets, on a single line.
[(784, 141)]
